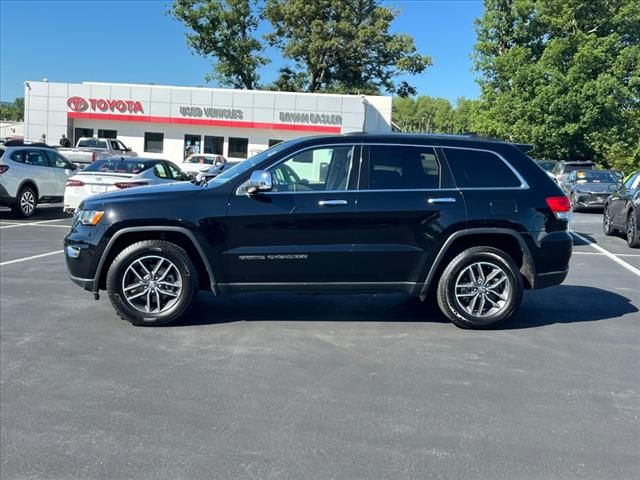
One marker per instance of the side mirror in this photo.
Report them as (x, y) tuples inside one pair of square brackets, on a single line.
[(260, 181)]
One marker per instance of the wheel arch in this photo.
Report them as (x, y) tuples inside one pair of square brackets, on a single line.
[(504, 239), (181, 236), (28, 183)]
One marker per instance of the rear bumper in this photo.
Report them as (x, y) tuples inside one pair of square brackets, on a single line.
[(6, 200), (551, 253), (549, 279)]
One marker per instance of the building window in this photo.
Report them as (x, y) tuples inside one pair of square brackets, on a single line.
[(214, 145), (107, 133), (82, 132), (273, 141), (153, 142), (238, 147)]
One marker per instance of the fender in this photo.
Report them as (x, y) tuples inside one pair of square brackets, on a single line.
[(156, 228), (33, 183), (474, 231)]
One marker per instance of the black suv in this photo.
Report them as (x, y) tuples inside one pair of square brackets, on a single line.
[(470, 220)]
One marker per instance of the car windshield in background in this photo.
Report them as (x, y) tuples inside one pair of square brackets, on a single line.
[(596, 176), (570, 168), (92, 144), (201, 159), (118, 166)]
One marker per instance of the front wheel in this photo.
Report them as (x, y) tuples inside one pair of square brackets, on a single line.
[(607, 223), (480, 288), (152, 282), (633, 239)]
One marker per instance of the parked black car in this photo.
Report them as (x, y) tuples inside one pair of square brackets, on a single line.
[(622, 211), (590, 188), (469, 220)]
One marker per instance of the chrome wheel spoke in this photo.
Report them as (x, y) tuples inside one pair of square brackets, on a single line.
[(168, 293), (482, 289), (137, 295), (472, 305), (496, 283), (133, 286), (495, 304), (152, 284), (157, 267)]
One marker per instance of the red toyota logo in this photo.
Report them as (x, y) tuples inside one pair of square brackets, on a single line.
[(77, 104)]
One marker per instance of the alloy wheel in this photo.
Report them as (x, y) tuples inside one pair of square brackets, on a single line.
[(27, 202), (152, 284), (631, 228), (482, 289)]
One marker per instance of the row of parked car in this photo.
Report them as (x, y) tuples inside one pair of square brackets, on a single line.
[(34, 173), (609, 191)]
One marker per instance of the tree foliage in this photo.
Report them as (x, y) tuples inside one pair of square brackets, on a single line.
[(434, 115), (563, 75), (336, 45), (225, 30), (12, 112)]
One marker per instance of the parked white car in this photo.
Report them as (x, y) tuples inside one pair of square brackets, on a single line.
[(31, 174), (117, 173), (196, 162)]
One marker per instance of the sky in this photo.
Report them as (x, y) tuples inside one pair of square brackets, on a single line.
[(122, 41)]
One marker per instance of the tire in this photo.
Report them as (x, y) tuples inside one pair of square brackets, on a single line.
[(633, 239), (26, 202), (457, 272), (175, 290), (607, 223)]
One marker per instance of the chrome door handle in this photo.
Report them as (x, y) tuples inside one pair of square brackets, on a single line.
[(441, 200), (332, 203)]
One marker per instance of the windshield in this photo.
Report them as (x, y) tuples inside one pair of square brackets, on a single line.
[(570, 168), (92, 143), (596, 176), (201, 159), (118, 166), (246, 165)]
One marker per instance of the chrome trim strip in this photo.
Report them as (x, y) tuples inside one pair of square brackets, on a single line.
[(557, 272), (285, 284), (441, 200), (332, 203)]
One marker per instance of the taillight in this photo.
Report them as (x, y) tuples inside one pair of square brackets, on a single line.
[(93, 157), (3, 168), (560, 206), (130, 184), (75, 183)]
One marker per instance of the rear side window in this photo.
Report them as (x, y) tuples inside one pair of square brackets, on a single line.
[(479, 169), (403, 167), (92, 144), (118, 166)]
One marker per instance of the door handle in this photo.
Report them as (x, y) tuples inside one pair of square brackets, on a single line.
[(332, 203), (441, 200)]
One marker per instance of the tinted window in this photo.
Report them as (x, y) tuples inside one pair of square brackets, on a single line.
[(107, 133), (573, 168), (18, 156), (35, 157), (597, 176), (479, 169), (58, 161), (316, 169), (214, 145), (161, 171), (92, 143), (119, 166), (174, 171), (399, 167), (238, 147), (153, 142), (273, 141)]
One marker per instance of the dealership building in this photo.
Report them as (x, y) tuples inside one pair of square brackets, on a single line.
[(169, 121)]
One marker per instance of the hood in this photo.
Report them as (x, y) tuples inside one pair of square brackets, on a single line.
[(596, 187), (142, 193)]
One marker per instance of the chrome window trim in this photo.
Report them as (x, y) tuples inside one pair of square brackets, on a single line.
[(523, 183)]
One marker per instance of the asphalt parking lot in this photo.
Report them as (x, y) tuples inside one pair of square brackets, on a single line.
[(317, 387)]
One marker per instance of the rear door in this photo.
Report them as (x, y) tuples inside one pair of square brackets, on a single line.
[(302, 231), (407, 207), (38, 170)]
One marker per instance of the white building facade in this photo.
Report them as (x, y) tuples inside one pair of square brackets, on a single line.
[(168, 122)]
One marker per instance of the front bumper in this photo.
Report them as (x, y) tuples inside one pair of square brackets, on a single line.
[(595, 200)]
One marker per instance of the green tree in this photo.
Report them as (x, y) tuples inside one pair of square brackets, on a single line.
[(344, 45), (224, 30), (563, 75), (12, 112), (434, 115)]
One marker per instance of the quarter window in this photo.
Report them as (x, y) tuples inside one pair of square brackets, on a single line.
[(153, 142), (403, 167), (480, 169), (319, 169), (36, 158), (238, 147)]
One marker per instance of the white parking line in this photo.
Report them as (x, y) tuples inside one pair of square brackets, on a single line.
[(607, 253), (33, 257), (616, 254), (32, 223)]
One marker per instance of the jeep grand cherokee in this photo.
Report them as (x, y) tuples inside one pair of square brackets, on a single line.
[(468, 220)]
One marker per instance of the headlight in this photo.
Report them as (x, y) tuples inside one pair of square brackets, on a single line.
[(89, 217)]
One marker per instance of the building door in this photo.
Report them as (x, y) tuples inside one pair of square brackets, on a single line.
[(192, 144)]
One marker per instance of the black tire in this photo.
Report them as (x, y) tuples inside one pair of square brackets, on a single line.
[(451, 305), (607, 223), (633, 237), (152, 250), (26, 202)]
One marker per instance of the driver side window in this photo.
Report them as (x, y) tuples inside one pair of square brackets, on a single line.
[(317, 169)]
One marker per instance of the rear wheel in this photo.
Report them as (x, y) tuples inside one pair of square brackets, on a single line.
[(152, 282), (607, 223), (480, 288), (633, 239), (26, 202)]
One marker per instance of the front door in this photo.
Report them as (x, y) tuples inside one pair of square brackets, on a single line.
[(407, 207), (302, 231)]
